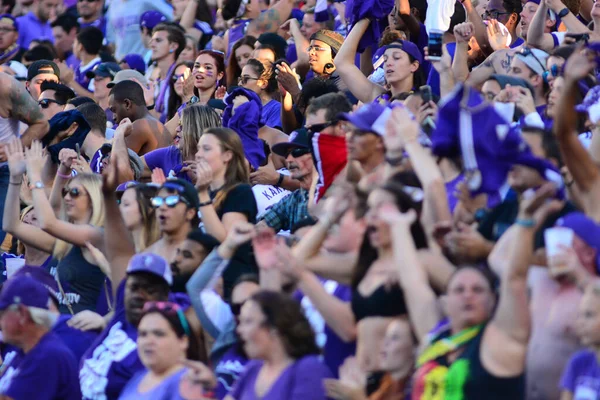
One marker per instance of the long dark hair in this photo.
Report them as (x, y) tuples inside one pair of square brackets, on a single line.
[(233, 68), (174, 100), (219, 59), (285, 315), (367, 253)]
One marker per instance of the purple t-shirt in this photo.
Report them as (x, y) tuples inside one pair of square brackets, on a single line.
[(31, 28), (113, 359), (166, 158), (582, 376), (302, 380), (100, 23), (228, 370), (167, 389), (271, 114), (47, 371), (81, 70), (451, 192)]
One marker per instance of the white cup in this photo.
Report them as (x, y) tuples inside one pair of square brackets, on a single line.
[(13, 265), (557, 238)]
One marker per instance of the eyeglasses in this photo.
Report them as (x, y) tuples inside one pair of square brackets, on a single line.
[(297, 153), (316, 48), (494, 14), (45, 103), (89, 1), (170, 201), (526, 51), (320, 127), (176, 77), (7, 30), (168, 308), (553, 71), (244, 79), (73, 192)]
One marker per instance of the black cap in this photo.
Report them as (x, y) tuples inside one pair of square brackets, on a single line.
[(207, 241), (104, 70), (42, 67), (184, 189), (299, 140), (105, 149)]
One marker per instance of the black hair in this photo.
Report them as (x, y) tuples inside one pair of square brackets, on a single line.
[(175, 34), (40, 52), (265, 73), (66, 21), (549, 143), (563, 51), (91, 39), (129, 90), (277, 43), (332, 103), (513, 7), (458, 17), (248, 277), (10, 4), (95, 116), (421, 7), (230, 8), (62, 93), (79, 100), (174, 100)]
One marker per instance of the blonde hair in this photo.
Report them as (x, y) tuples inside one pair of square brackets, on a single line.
[(195, 120), (92, 183), (20, 244)]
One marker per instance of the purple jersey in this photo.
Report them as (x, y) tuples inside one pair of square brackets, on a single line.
[(99, 23), (31, 28), (236, 32), (228, 370), (47, 371), (271, 114), (167, 389), (80, 73), (582, 376)]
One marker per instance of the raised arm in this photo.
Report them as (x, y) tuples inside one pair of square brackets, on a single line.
[(11, 223), (536, 36), (63, 174), (460, 66), (271, 20), (360, 86), (413, 25), (23, 107), (479, 28), (119, 154), (76, 234)]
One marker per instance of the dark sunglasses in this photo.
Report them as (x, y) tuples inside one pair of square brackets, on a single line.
[(73, 192), (176, 77), (298, 152), (236, 309), (88, 1), (45, 103), (170, 201), (320, 127), (244, 79), (168, 308)]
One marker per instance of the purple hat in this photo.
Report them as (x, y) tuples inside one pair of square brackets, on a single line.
[(591, 104), (151, 263), (408, 47), (126, 185), (150, 19), (135, 61), (369, 118), (585, 228), (24, 290), (377, 58), (42, 276), (10, 20)]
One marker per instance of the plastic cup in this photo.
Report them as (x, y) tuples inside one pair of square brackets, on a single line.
[(13, 265), (557, 238)]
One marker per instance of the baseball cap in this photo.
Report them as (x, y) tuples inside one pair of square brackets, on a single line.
[(331, 38), (135, 62), (184, 189), (152, 264), (298, 140), (150, 19), (127, 75), (369, 118), (104, 70), (42, 67), (10, 20), (585, 228), (408, 47), (24, 290), (535, 59), (42, 276)]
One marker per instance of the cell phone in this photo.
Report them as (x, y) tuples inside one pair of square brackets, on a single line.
[(434, 46), (426, 95), (579, 37)]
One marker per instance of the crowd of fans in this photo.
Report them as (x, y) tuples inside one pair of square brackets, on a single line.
[(300, 199)]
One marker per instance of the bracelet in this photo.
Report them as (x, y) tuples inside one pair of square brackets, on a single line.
[(394, 162), (563, 13), (280, 180), (16, 183), (206, 203), (150, 108), (68, 176), (525, 223)]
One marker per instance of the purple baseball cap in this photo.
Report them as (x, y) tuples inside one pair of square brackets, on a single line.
[(150, 19), (42, 276), (24, 290), (369, 118), (9, 19), (152, 264), (408, 47), (585, 228), (126, 185), (135, 61)]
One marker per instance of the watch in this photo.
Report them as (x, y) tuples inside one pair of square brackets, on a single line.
[(36, 185), (564, 12)]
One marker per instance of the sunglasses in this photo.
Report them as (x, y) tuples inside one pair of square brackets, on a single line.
[(88, 1), (320, 127), (45, 103), (236, 308), (168, 308), (176, 77), (244, 79), (170, 201), (492, 14), (73, 192), (298, 152)]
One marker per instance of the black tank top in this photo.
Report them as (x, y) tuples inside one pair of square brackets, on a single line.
[(381, 303), (82, 282)]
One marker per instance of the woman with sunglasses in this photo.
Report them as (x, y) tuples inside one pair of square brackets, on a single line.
[(164, 340), (178, 160), (261, 80), (281, 342), (81, 221), (402, 67), (182, 70)]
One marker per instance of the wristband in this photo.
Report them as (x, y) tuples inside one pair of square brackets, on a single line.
[(562, 13), (525, 223), (206, 203), (151, 107), (280, 180), (394, 162), (68, 176), (16, 183)]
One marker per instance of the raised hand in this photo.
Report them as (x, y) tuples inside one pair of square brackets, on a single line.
[(264, 243), (400, 129), (158, 176), (110, 178), (66, 157), (497, 35), (580, 64), (287, 78), (16, 158), (204, 175), (198, 380), (188, 87), (537, 205), (81, 166), (220, 93), (463, 32), (36, 158), (125, 127)]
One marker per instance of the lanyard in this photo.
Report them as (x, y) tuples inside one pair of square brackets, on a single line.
[(160, 100)]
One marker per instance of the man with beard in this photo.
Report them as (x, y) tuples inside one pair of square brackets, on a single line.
[(190, 254)]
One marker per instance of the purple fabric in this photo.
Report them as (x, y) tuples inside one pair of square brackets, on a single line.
[(451, 192), (236, 32), (96, 161), (168, 159), (228, 371), (81, 77), (167, 389), (375, 10), (100, 23), (271, 114), (582, 375), (302, 380), (245, 121), (113, 359), (72, 61), (47, 371), (31, 28), (25, 290), (291, 55), (77, 341)]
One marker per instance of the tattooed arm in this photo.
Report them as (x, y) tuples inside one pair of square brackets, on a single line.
[(271, 20), (497, 63), (23, 107)]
